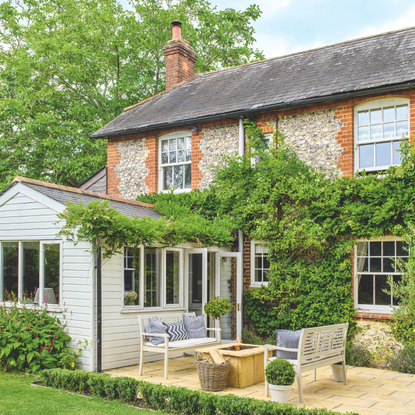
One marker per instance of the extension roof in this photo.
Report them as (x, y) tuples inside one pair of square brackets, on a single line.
[(65, 194), (325, 73)]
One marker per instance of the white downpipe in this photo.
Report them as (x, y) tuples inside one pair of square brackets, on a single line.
[(241, 137)]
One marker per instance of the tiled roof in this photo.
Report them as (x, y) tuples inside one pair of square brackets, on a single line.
[(358, 65), (65, 194)]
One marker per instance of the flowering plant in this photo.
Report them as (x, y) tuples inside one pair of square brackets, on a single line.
[(130, 297), (31, 340)]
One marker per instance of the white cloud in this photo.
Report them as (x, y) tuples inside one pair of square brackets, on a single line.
[(407, 19), (275, 46)]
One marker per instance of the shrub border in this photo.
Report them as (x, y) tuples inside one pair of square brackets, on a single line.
[(177, 400)]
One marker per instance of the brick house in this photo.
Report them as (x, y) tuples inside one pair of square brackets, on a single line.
[(343, 106)]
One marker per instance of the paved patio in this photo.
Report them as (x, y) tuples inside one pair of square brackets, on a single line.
[(369, 392)]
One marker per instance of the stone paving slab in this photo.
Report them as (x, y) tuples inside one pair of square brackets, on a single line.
[(369, 391)]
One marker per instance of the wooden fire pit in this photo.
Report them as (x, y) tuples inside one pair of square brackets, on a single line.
[(247, 364)]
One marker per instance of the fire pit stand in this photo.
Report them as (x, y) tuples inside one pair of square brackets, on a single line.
[(247, 364)]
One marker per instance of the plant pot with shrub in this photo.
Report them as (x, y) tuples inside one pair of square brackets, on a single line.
[(280, 375), (217, 308)]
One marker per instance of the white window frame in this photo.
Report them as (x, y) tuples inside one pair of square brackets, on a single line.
[(378, 103), (253, 282), (162, 286), (176, 134), (382, 309), (42, 243)]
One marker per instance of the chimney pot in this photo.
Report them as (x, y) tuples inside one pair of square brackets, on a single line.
[(177, 29)]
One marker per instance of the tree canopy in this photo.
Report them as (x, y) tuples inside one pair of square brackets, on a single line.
[(67, 67)]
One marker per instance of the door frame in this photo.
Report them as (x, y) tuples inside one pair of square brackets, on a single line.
[(202, 251)]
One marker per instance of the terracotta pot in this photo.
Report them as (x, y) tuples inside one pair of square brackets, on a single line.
[(280, 393)]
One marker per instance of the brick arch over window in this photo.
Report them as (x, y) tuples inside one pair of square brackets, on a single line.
[(379, 126)]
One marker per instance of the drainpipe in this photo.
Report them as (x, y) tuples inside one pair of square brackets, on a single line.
[(99, 311), (239, 284)]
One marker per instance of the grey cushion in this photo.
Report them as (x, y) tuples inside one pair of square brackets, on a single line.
[(195, 327), (176, 331), (155, 326), (290, 340)]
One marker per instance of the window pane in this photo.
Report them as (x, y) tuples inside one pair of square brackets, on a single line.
[(388, 114), (10, 270), (51, 290), (381, 298), (181, 156), (180, 143), (388, 265), (402, 112), (266, 262), (178, 177), (402, 129), (363, 133), (152, 277), (366, 156), (389, 130), (363, 118), (384, 154), (362, 249), (265, 276), (30, 269), (375, 265), (188, 155), (376, 116), (188, 176), (132, 276), (375, 249), (172, 277), (173, 158), (173, 144), (396, 301), (362, 265), (401, 248), (168, 179), (188, 143), (258, 262), (165, 145), (396, 153), (164, 158), (365, 289), (375, 132), (389, 248), (258, 275)]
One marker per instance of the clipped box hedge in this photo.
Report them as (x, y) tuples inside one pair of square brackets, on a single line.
[(168, 398)]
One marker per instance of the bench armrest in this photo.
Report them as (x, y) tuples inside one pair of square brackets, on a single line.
[(214, 329)]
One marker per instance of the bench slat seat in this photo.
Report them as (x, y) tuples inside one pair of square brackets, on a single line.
[(167, 348)]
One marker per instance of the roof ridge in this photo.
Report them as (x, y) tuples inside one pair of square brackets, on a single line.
[(306, 51), (80, 191)]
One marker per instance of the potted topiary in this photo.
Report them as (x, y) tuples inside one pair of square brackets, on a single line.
[(280, 375), (217, 307)]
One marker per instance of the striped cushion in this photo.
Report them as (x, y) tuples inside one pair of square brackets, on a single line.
[(176, 331)]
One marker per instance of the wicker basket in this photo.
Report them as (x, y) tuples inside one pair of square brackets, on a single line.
[(212, 376)]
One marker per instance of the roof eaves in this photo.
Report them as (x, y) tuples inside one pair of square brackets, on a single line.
[(80, 191)]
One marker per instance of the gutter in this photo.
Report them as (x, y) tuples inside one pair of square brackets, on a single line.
[(279, 106)]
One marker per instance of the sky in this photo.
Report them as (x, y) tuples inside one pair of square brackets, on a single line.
[(289, 26)]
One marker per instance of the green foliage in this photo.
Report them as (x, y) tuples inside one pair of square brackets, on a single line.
[(403, 360), (280, 372), (217, 307), (71, 66), (250, 337), (32, 340), (357, 354), (171, 398), (404, 291)]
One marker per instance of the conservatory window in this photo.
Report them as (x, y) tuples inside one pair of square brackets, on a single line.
[(132, 274), (259, 263), (175, 152), (26, 266), (374, 262), (379, 128)]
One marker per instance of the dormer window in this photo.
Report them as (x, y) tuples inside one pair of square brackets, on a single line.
[(379, 127), (175, 150)]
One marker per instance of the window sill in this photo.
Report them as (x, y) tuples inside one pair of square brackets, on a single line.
[(137, 309), (258, 284), (50, 308), (373, 316)]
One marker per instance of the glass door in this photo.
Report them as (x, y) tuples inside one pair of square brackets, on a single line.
[(196, 270)]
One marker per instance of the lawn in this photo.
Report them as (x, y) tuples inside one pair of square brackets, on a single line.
[(17, 396)]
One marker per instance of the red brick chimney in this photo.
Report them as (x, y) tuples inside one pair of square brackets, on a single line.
[(180, 58)]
